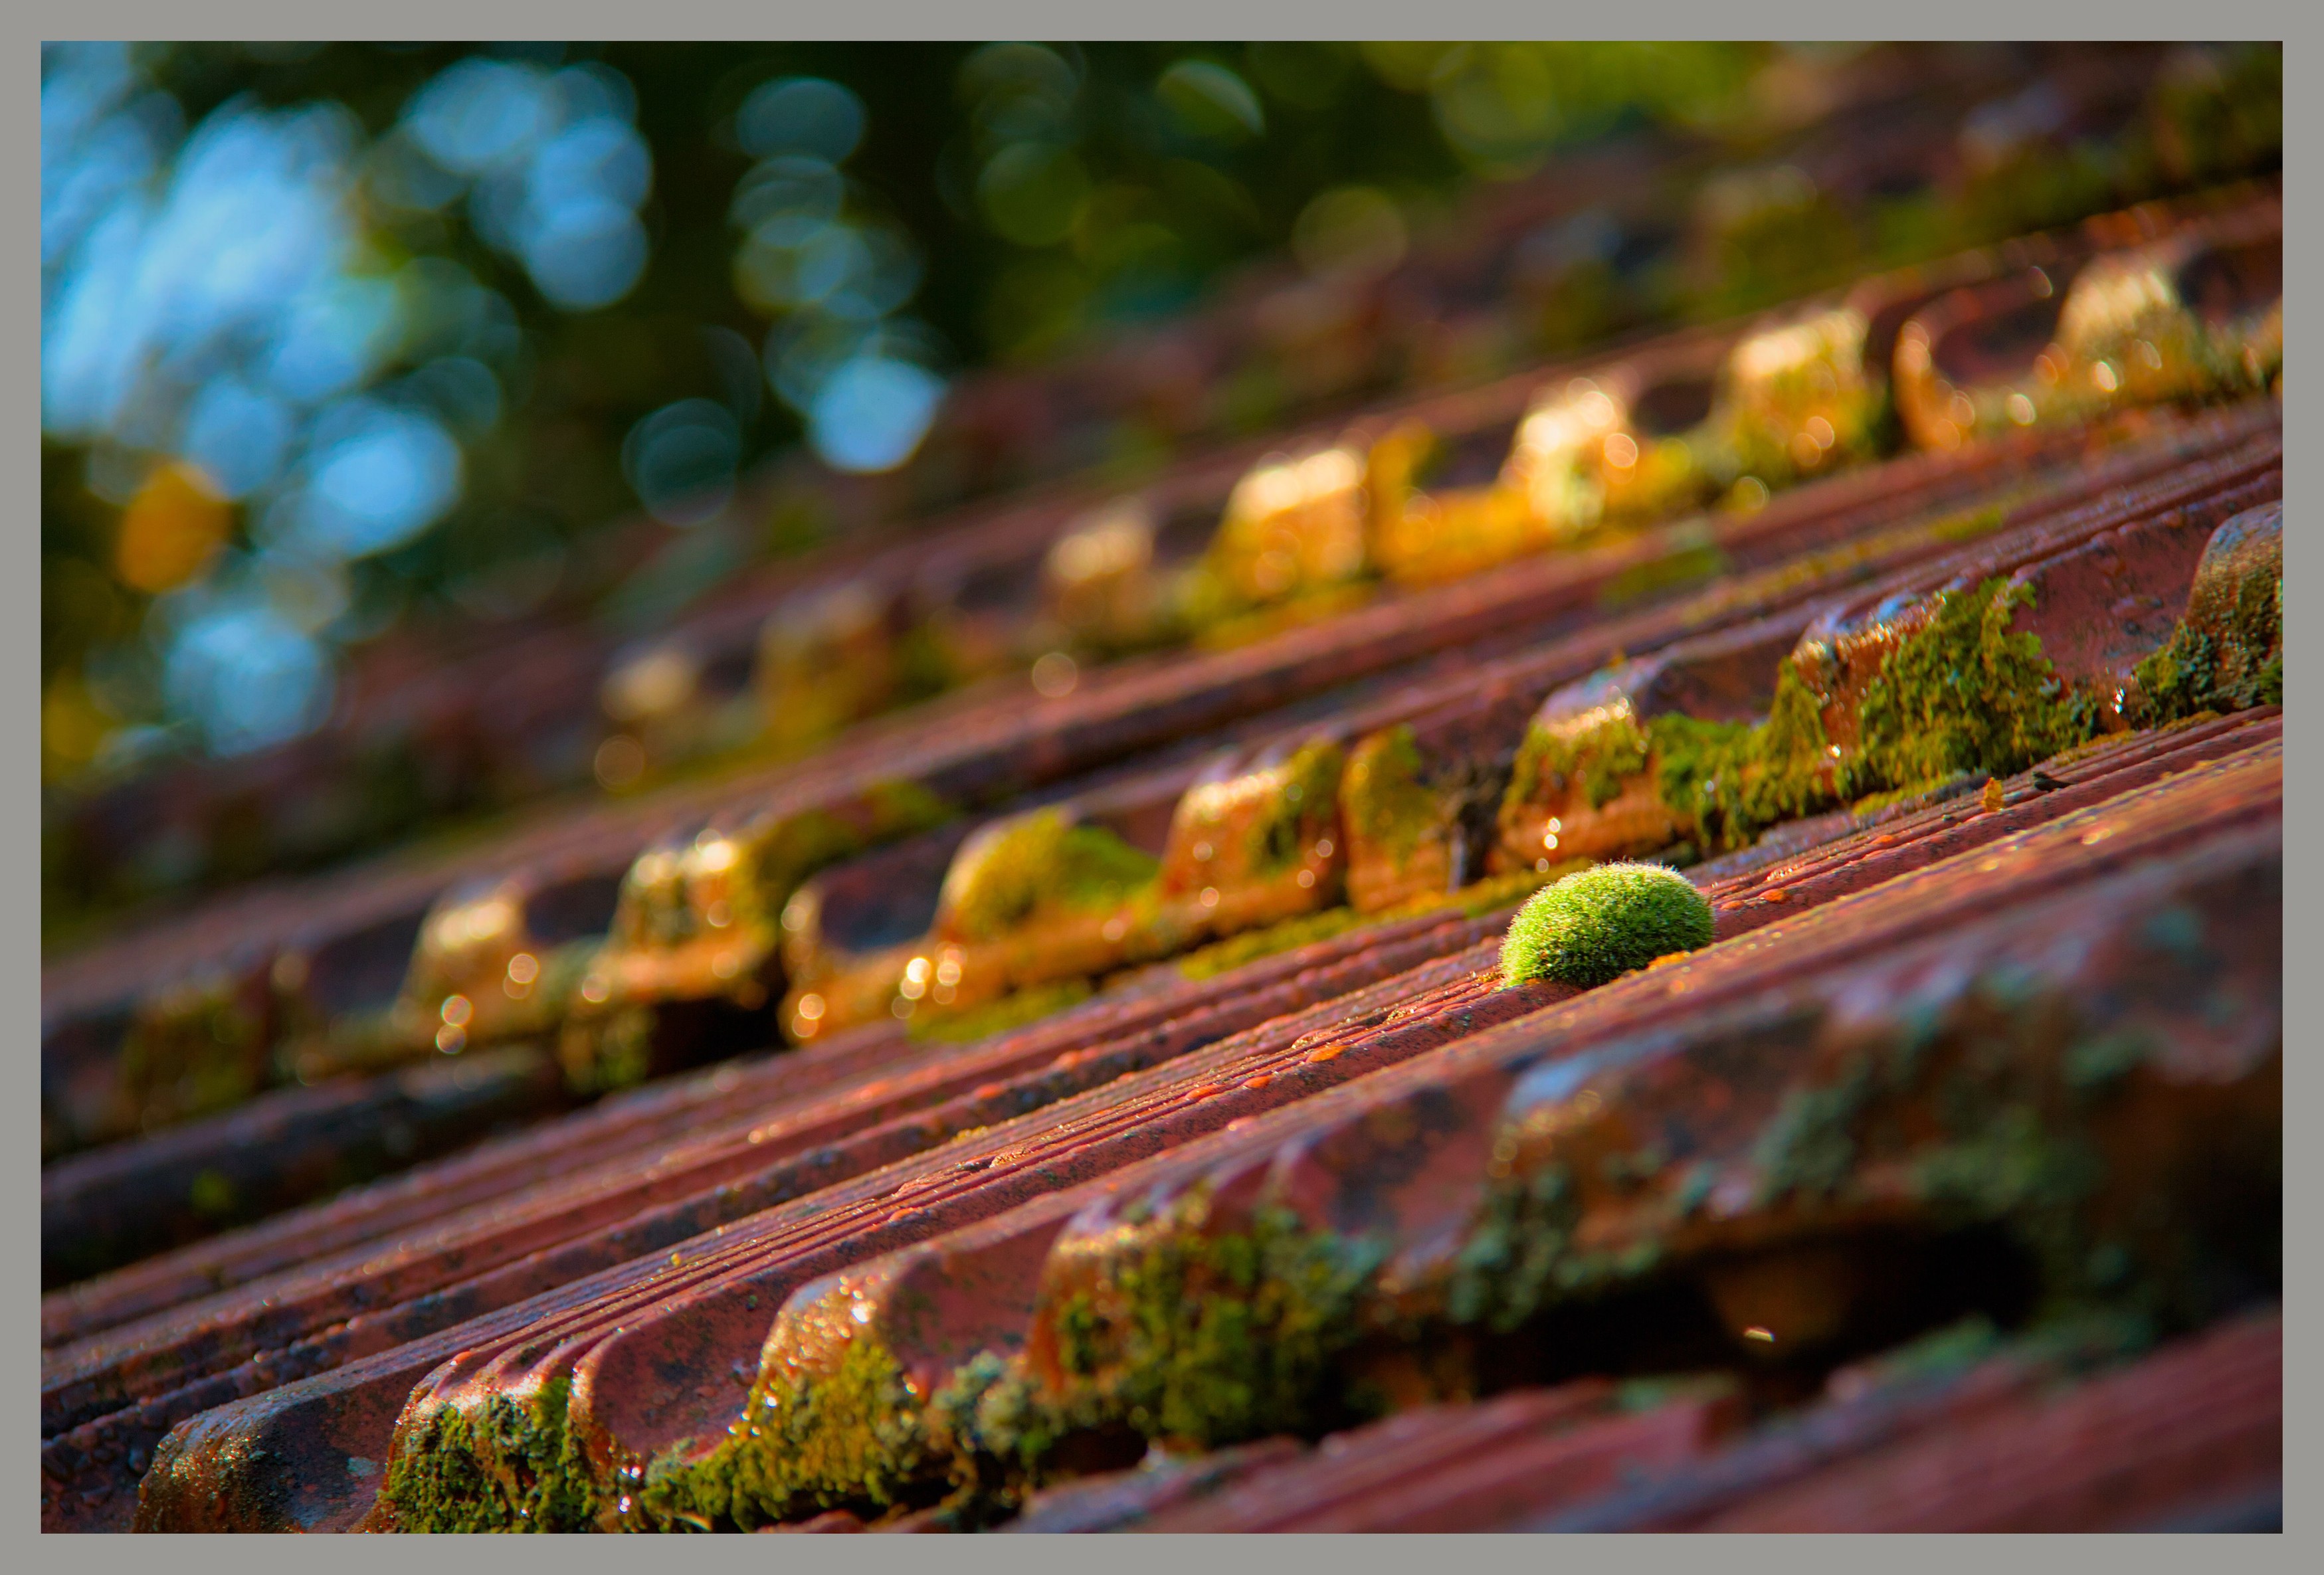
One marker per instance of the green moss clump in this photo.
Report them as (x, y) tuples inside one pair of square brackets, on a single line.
[(1962, 694), (1191, 1337), (853, 1437), (1602, 760), (2233, 666), (1381, 795), (1041, 860), (1306, 807), (1967, 694), (1188, 1336), (1600, 924), (505, 1466), (1726, 780), (1732, 781)]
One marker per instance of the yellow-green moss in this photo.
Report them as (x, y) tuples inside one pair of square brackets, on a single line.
[(504, 1466), (1279, 837), (2239, 666), (1731, 781), (1043, 859), (1381, 796), (1195, 1337), (1471, 901), (853, 1437), (1602, 759), (1598, 924), (1997, 1109), (1191, 1337), (1014, 1010), (1964, 693)]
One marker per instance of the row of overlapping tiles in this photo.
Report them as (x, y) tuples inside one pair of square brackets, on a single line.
[(1378, 869), (1791, 1134), (2194, 309), (114, 1390)]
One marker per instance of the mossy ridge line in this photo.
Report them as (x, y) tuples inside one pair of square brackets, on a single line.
[(2009, 1096), (1963, 693), (1196, 1338)]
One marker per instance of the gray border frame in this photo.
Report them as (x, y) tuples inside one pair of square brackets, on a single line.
[(930, 19)]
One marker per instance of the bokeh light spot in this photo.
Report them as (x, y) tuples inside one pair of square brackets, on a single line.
[(1210, 102), (680, 461), (377, 477), (1349, 229), (171, 530), (1032, 193), (800, 114), (240, 436), (872, 413), (247, 676)]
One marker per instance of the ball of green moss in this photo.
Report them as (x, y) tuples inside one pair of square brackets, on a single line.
[(1600, 923)]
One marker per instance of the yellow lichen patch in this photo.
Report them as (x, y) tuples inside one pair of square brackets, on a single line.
[(1240, 843), (1036, 863), (479, 976), (2193, 317), (1291, 524), (1796, 400), (825, 662), (1398, 833), (1098, 582), (1553, 462)]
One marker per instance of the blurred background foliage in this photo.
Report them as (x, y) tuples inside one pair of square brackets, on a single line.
[(348, 342), (336, 336)]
